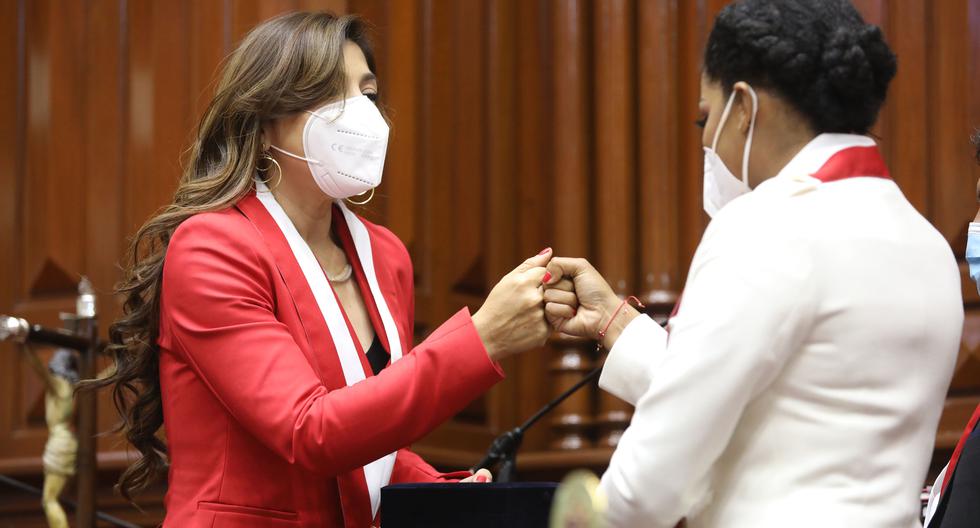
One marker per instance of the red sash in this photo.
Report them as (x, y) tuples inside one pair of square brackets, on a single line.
[(959, 449), (850, 162)]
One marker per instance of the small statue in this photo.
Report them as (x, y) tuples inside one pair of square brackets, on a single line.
[(60, 450)]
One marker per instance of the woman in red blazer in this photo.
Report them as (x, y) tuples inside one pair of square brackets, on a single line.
[(269, 328)]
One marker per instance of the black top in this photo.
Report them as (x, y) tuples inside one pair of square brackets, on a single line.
[(377, 355), (959, 507)]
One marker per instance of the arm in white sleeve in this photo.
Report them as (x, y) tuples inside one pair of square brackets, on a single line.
[(632, 360), (747, 306)]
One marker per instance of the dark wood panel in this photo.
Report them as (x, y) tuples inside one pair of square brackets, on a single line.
[(12, 142), (659, 123), (951, 163), (906, 111), (615, 147)]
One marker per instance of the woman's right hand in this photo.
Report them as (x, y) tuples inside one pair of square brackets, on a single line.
[(511, 320), (590, 306)]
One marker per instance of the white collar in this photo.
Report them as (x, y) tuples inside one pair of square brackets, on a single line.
[(815, 154)]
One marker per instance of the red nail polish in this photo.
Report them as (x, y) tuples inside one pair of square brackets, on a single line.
[(481, 478), (545, 250), (546, 278)]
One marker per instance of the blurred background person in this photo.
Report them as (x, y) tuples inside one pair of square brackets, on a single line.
[(954, 501)]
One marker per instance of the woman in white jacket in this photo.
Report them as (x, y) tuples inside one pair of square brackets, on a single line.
[(801, 381)]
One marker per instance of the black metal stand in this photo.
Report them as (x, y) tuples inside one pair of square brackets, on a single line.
[(503, 450), (72, 505)]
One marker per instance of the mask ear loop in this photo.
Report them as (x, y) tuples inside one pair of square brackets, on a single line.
[(748, 142), (722, 121), (291, 155), (364, 202)]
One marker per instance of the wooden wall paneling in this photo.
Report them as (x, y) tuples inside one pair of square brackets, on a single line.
[(572, 199), (949, 125), (615, 171), (533, 189), (658, 126), (436, 167), (12, 143), (333, 6), (210, 41), (534, 140), (246, 14), (615, 128), (906, 110), (454, 442), (104, 140), (694, 21), (141, 143), (173, 104), (466, 182), (398, 49), (572, 152), (500, 113), (50, 219), (465, 237), (57, 235), (573, 421)]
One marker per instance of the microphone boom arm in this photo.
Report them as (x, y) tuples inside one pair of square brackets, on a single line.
[(504, 448)]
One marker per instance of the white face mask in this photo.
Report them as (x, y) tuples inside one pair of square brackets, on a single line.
[(720, 185), (345, 144)]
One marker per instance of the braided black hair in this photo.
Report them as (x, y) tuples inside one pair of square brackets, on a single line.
[(818, 55)]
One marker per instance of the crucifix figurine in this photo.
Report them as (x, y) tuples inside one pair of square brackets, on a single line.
[(59, 377)]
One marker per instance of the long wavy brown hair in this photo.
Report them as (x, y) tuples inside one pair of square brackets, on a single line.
[(285, 65)]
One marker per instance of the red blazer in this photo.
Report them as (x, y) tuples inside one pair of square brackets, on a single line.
[(261, 427)]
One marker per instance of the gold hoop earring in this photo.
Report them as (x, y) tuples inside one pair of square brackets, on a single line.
[(369, 198), (271, 161)]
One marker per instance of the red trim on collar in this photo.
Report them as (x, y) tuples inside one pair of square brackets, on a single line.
[(951, 468), (853, 162)]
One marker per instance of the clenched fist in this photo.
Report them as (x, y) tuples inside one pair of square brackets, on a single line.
[(511, 320)]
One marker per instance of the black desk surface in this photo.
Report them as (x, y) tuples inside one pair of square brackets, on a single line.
[(444, 505)]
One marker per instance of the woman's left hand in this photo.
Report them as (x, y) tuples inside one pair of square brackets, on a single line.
[(481, 476)]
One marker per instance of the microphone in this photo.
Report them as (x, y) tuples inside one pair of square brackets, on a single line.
[(20, 331), (504, 448)]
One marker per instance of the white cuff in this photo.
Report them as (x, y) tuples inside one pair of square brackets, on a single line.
[(934, 494), (633, 358), (974, 227)]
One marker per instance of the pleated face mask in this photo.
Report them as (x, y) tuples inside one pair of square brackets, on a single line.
[(720, 185), (973, 252), (345, 144)]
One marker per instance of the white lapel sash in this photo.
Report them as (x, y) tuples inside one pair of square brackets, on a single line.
[(377, 473)]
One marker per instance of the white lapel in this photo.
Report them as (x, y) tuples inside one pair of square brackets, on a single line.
[(362, 243), (377, 473)]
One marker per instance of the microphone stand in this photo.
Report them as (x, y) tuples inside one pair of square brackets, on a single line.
[(504, 448), (20, 331)]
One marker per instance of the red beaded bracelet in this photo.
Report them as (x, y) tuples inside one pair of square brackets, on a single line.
[(602, 333)]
